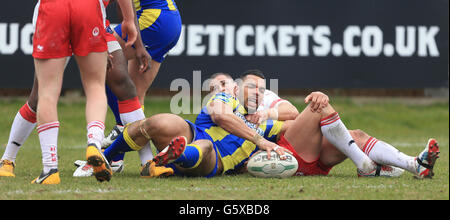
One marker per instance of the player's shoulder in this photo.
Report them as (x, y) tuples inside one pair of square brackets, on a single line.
[(269, 93)]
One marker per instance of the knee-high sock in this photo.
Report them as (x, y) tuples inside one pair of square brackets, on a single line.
[(21, 128), (123, 143), (131, 111), (384, 153), (48, 137), (95, 133), (191, 157), (119, 146), (335, 131)]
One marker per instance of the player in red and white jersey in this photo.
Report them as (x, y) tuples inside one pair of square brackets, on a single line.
[(57, 36), (311, 135), (118, 80)]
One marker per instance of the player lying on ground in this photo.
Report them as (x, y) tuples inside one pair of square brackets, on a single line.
[(118, 80), (208, 158), (307, 132)]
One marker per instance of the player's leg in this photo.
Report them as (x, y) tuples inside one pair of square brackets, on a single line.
[(305, 137), (198, 158), (22, 126), (160, 31), (93, 74), (88, 42), (49, 73), (331, 156), (129, 105), (144, 80), (384, 153), (93, 71), (160, 129)]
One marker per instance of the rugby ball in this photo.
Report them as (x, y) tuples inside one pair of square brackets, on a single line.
[(260, 166)]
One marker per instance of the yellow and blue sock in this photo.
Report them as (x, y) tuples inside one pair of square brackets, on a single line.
[(122, 144), (191, 157)]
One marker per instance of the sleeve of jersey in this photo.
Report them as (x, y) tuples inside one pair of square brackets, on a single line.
[(272, 100), (225, 98), (272, 129)]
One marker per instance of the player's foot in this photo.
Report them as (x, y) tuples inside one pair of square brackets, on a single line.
[(7, 168), (171, 152), (83, 169), (426, 160), (150, 170), (117, 166), (95, 158), (52, 177), (115, 132), (382, 170)]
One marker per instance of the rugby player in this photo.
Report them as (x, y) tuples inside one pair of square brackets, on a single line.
[(117, 78), (306, 132), (318, 152), (202, 157), (160, 28)]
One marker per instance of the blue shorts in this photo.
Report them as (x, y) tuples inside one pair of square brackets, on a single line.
[(160, 31)]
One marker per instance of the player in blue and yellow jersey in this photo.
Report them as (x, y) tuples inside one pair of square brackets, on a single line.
[(160, 28), (220, 142)]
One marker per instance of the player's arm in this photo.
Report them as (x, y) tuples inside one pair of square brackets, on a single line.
[(222, 115), (128, 25), (282, 112)]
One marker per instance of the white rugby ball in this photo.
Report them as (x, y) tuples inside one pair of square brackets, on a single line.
[(259, 166)]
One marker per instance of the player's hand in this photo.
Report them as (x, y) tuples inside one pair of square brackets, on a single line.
[(143, 58), (258, 117), (129, 29), (318, 101), (270, 146)]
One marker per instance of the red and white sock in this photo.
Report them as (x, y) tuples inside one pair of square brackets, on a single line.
[(130, 110), (95, 133), (21, 128), (335, 131), (384, 153), (48, 137)]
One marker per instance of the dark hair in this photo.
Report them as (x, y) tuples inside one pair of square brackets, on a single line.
[(219, 74), (254, 72)]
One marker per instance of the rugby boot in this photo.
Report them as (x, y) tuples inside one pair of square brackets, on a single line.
[(150, 170), (52, 177), (7, 168), (83, 169), (382, 170), (426, 160), (115, 132), (96, 159), (171, 152)]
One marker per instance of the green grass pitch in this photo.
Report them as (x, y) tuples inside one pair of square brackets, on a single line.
[(406, 125)]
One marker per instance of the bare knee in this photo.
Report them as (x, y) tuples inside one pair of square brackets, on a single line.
[(205, 145), (360, 137), (162, 128)]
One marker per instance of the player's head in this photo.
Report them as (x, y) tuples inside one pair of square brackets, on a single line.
[(252, 85), (222, 82)]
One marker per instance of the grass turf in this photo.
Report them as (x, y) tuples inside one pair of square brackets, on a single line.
[(406, 125)]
